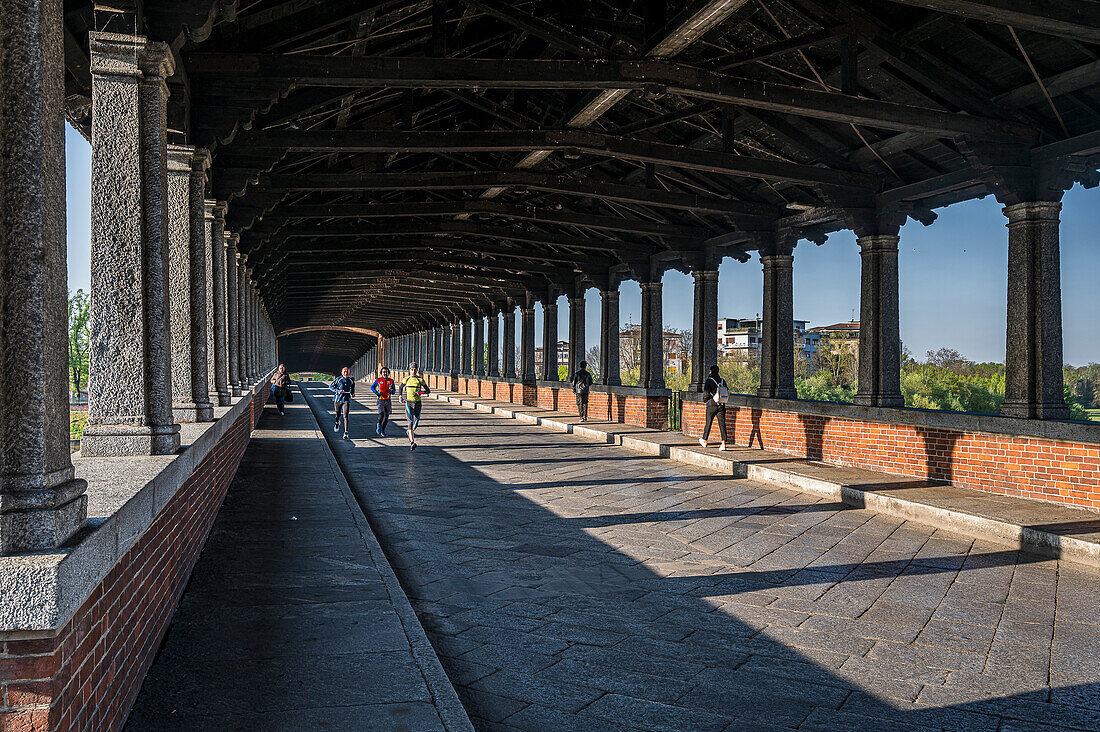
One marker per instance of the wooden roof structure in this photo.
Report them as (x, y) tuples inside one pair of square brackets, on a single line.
[(391, 165)]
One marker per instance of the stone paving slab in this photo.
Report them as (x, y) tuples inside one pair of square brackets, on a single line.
[(293, 619), (1045, 528), (573, 585)]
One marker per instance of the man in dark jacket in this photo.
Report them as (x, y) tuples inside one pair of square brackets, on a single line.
[(343, 389), (582, 380)]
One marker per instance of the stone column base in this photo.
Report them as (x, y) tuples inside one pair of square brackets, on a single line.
[(114, 440), (46, 521), (220, 399), (1035, 410), (193, 412), (236, 391)]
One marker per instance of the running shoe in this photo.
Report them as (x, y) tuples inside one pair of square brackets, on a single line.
[(336, 428), (345, 435), (412, 446)]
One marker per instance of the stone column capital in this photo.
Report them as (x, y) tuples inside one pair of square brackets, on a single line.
[(115, 54), (180, 158), (231, 241), (777, 261), (705, 275), (609, 295), (200, 161), (219, 210), (156, 61), (878, 243), (1032, 211), (651, 287)]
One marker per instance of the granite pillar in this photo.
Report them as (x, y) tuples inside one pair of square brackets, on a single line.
[(576, 334), (550, 338), (527, 340), (221, 390), (509, 347), (41, 503), (479, 346), (704, 337), (1033, 350), (651, 371), (879, 329), (609, 338), (777, 336), (130, 394), (186, 266), (493, 343), (232, 322), (242, 323), (467, 335)]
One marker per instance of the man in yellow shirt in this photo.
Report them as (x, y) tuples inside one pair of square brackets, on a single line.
[(413, 389)]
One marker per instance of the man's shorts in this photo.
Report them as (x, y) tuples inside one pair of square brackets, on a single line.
[(384, 407)]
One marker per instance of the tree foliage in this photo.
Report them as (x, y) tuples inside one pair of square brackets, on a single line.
[(79, 340)]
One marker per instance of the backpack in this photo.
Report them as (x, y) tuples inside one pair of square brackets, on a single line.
[(721, 393)]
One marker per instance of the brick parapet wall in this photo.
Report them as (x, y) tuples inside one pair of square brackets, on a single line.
[(87, 675), (1062, 471)]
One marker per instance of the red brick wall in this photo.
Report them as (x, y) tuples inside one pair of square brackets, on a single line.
[(643, 411), (87, 676), (1029, 467)]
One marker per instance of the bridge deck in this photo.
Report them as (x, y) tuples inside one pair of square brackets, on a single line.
[(568, 584), (292, 617)]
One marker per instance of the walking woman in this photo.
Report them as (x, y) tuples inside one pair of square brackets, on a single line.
[(280, 385), (717, 394), (413, 389)]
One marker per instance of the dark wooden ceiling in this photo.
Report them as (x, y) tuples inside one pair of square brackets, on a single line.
[(391, 165)]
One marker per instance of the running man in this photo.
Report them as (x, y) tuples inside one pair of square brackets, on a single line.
[(383, 389), (343, 389), (412, 389)]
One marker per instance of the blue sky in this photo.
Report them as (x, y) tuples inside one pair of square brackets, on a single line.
[(952, 276)]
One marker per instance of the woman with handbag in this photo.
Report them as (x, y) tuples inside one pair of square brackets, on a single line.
[(280, 387), (717, 393)]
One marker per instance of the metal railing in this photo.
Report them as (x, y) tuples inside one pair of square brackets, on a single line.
[(675, 411)]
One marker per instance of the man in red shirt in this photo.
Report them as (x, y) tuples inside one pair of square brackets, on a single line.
[(383, 388)]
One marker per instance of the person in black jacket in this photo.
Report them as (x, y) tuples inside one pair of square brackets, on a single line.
[(715, 407), (582, 380)]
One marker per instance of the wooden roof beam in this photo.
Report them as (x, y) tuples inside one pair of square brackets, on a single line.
[(621, 75), (1063, 18)]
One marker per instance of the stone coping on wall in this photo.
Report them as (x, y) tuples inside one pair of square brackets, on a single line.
[(635, 391), (39, 592), (958, 421)]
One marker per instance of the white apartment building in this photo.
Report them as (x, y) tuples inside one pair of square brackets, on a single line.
[(743, 336)]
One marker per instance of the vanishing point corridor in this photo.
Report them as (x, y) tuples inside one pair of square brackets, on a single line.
[(569, 585)]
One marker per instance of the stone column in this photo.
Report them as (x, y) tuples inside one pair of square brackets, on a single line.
[(232, 322), (249, 324), (494, 344), (190, 401), (550, 338), (456, 348), (467, 334), (41, 503), (130, 395), (479, 346), (440, 332), (1033, 351), (208, 302), (879, 330), (509, 347), (576, 333), (652, 357), (242, 323), (609, 338), (704, 338), (217, 275), (527, 339), (777, 338)]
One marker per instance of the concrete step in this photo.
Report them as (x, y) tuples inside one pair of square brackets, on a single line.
[(1039, 527)]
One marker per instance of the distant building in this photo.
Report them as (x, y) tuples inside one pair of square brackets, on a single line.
[(742, 337), (840, 335), (630, 339)]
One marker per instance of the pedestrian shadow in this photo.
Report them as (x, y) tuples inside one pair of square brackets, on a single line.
[(550, 611)]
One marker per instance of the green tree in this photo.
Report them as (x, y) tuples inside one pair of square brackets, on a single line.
[(79, 339)]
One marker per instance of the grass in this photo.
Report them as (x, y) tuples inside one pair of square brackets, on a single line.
[(77, 421), (1094, 414)]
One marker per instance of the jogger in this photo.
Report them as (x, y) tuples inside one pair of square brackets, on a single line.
[(383, 388), (343, 389), (413, 388)]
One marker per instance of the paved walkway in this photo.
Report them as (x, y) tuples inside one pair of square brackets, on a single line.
[(570, 585), (292, 619)]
